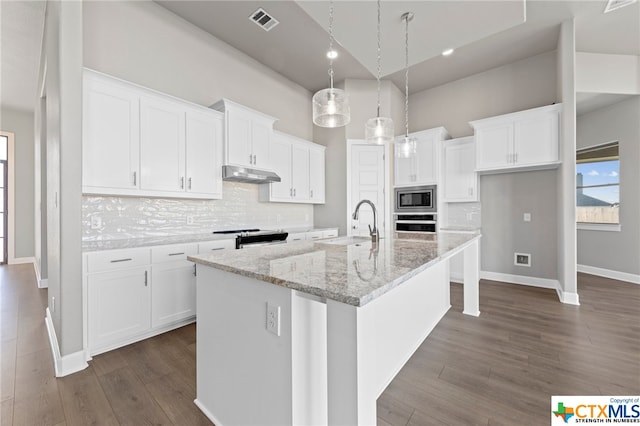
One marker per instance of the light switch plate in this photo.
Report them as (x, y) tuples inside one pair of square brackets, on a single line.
[(527, 217)]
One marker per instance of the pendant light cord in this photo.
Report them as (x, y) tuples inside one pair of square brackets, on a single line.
[(379, 59), (331, 56), (406, 76)]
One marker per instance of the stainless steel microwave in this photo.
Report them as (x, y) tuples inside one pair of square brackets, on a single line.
[(416, 199)]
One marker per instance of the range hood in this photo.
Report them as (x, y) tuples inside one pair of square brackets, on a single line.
[(246, 175)]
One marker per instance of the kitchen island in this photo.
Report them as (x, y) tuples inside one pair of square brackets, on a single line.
[(313, 332)]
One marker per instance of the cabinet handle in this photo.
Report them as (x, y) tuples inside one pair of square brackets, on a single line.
[(254, 160), (294, 192), (195, 271), (176, 254), (250, 159), (290, 192), (189, 184), (217, 248), (135, 178), (182, 182), (311, 193), (516, 158), (121, 260), (145, 279)]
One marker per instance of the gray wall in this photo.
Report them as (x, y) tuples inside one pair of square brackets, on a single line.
[(518, 86), (20, 123), (617, 251), (146, 44)]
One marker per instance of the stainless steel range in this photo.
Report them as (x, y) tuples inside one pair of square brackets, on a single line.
[(255, 237)]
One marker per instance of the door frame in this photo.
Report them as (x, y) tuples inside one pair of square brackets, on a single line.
[(387, 190), (10, 197)]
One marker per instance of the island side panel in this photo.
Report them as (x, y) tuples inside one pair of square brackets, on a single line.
[(471, 296), (368, 346), (243, 370)]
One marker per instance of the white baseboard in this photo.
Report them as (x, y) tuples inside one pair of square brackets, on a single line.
[(520, 279), (565, 297), (456, 278), (43, 283), (68, 364), (206, 412), (608, 273), (21, 260)]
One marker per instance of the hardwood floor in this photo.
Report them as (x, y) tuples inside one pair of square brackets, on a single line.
[(498, 369)]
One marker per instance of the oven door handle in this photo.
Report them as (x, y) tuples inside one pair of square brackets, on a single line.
[(420, 222)]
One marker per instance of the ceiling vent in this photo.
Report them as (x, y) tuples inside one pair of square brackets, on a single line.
[(617, 4), (263, 19)]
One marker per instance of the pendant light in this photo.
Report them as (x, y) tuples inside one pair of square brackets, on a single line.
[(379, 130), (406, 146), (331, 106)]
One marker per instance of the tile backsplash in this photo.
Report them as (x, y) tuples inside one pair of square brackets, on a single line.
[(130, 217), (463, 215)]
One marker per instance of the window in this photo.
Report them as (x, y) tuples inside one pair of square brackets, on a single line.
[(598, 185)]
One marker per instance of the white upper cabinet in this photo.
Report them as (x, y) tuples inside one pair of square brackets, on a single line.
[(205, 132), (459, 163), (300, 165), (316, 174), (422, 168), (139, 142), (162, 145), (524, 140), (247, 137), (111, 135)]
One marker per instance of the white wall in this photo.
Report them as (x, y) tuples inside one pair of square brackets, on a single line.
[(517, 86), (615, 251), (20, 123), (603, 73)]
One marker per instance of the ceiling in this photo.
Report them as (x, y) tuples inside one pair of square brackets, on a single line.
[(486, 34)]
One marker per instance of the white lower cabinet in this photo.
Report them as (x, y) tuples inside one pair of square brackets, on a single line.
[(119, 305), (137, 293), (173, 295)]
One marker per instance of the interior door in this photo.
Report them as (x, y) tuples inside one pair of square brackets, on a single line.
[(367, 183)]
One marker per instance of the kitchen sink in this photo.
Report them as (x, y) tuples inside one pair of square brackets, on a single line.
[(346, 241)]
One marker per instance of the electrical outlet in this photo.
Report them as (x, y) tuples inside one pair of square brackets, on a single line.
[(273, 319), (189, 220), (96, 222), (522, 259), (527, 217)]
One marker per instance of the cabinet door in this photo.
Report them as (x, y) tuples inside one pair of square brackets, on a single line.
[(536, 139), (300, 172), (405, 171), (494, 146), (316, 175), (460, 181), (281, 162), (261, 133), (204, 153), (119, 305), (238, 138), (173, 292), (427, 161), (111, 136), (162, 145)]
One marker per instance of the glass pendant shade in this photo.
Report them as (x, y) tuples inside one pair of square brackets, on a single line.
[(379, 130), (406, 147), (331, 108)]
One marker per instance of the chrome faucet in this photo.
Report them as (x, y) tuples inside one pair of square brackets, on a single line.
[(375, 235)]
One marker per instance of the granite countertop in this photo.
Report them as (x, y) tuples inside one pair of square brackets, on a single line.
[(354, 273), (125, 243)]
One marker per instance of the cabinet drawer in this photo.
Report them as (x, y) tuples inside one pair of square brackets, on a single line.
[(211, 246), (330, 234), (117, 259), (173, 252), (315, 235), (297, 236)]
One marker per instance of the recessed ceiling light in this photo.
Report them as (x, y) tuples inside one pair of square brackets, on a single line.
[(332, 54), (447, 52)]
